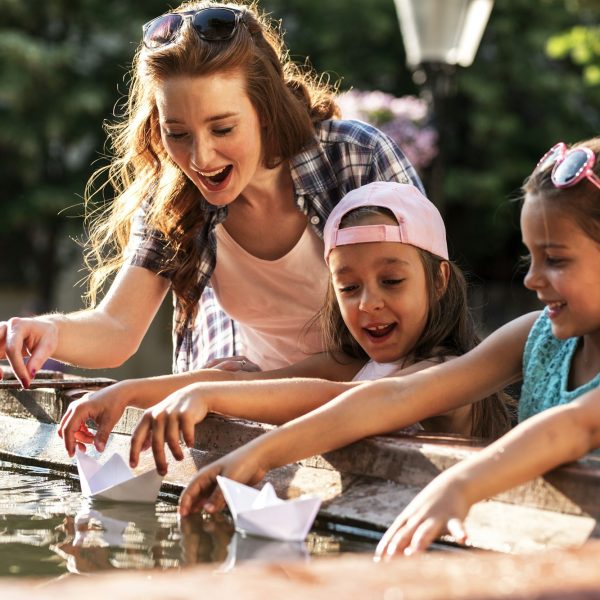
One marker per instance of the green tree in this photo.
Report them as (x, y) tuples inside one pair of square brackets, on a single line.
[(62, 64)]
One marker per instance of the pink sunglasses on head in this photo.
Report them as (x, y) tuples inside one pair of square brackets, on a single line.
[(570, 166)]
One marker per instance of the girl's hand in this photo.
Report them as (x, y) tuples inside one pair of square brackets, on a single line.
[(105, 407), (232, 363), (203, 492), (36, 338), (439, 508), (169, 421)]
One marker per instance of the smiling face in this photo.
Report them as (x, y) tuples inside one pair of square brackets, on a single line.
[(381, 291), (563, 270), (211, 130)]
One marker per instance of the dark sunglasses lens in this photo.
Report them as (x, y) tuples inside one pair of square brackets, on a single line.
[(569, 170), (215, 24), (162, 30)]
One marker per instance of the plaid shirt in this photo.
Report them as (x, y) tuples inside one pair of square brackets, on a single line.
[(347, 155)]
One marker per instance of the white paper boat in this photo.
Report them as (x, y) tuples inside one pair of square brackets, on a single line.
[(114, 480), (262, 513)]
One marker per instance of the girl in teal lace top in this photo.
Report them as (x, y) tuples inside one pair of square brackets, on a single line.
[(559, 408)]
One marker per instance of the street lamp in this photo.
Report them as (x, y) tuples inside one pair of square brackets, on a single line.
[(439, 35), (444, 31)]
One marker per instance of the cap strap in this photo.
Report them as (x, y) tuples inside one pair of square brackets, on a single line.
[(367, 233)]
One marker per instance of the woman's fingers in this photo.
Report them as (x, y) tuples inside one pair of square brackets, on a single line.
[(35, 338), (395, 539), (71, 423), (416, 535), (158, 446), (15, 349)]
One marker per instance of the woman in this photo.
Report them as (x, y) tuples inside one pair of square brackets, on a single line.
[(226, 150)]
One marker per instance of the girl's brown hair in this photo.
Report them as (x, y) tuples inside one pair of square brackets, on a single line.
[(289, 101), (449, 330), (579, 202)]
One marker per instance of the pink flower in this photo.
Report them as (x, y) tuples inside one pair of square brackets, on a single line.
[(404, 119)]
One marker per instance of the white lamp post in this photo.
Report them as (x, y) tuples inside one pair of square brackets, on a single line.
[(439, 35), (443, 31)]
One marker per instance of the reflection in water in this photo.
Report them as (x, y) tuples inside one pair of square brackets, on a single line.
[(250, 548), (47, 528)]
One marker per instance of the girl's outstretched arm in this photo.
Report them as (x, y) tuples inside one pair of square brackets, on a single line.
[(105, 407), (275, 401), (373, 408), (551, 438)]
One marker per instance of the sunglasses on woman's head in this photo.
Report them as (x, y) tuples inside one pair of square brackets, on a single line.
[(569, 167), (212, 24)]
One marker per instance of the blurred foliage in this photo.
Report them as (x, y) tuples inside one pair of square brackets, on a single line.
[(535, 81), (62, 70), (582, 45)]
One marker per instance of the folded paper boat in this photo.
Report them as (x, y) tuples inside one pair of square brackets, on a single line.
[(114, 480), (262, 513)]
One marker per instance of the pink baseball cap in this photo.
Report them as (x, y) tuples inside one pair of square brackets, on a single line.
[(419, 221)]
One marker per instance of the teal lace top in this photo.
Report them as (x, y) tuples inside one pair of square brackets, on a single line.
[(546, 366)]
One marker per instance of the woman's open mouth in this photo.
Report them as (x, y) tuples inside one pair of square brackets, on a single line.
[(216, 180)]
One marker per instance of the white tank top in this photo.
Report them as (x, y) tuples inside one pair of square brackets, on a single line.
[(272, 301)]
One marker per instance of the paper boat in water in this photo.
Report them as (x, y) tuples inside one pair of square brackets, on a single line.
[(114, 480), (263, 513)]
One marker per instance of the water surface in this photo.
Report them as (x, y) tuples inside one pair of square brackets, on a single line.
[(48, 529)]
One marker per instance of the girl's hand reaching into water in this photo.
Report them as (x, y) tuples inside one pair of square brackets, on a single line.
[(203, 493), (169, 422), (439, 508), (104, 407)]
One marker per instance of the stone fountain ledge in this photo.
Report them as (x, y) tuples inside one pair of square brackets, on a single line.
[(547, 575), (365, 484)]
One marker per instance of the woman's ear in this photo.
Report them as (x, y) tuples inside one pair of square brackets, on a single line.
[(441, 282)]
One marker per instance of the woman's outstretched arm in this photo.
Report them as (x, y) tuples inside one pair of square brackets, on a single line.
[(102, 337)]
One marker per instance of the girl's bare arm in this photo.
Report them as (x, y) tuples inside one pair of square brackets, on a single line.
[(268, 402), (379, 406), (539, 444)]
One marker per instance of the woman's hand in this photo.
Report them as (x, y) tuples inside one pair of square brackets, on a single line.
[(36, 338), (168, 422), (104, 407), (203, 493), (232, 363), (439, 508)]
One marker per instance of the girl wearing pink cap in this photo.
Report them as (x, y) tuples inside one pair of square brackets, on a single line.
[(396, 305)]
